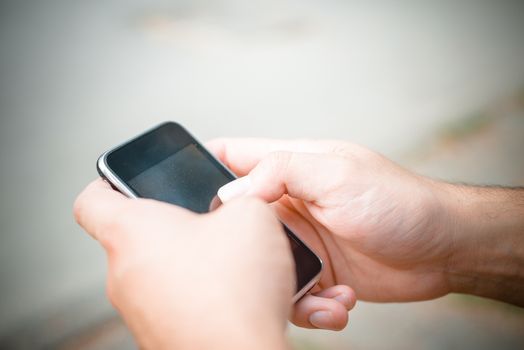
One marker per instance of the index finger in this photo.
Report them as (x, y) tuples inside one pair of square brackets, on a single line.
[(243, 154), (96, 205)]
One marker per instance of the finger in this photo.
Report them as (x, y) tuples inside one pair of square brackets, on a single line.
[(341, 293), (242, 154), (305, 176), (326, 310), (97, 205), (105, 214)]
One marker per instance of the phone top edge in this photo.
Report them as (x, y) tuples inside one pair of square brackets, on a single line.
[(138, 136), (101, 159), (105, 171), (107, 174)]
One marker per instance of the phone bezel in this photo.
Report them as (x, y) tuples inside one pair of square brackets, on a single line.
[(119, 184)]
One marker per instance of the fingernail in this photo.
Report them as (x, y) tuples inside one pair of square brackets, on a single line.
[(321, 319), (234, 189), (343, 298)]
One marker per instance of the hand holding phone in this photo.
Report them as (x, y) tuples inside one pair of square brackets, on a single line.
[(169, 165), (182, 280)]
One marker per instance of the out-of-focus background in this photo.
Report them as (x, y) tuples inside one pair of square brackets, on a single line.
[(437, 86)]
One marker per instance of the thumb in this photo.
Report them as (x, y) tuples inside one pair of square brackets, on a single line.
[(300, 175)]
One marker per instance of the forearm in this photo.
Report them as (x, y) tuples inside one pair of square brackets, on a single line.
[(206, 330), (487, 228), (202, 339)]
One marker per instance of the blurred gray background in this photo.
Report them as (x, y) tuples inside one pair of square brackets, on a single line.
[(437, 86)]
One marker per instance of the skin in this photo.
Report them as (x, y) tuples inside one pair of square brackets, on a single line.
[(388, 233), (188, 281)]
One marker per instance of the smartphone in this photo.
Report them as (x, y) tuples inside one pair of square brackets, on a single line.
[(168, 164)]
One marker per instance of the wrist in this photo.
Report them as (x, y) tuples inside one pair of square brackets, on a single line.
[(486, 226), (212, 330)]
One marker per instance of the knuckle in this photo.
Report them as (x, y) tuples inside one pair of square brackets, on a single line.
[(342, 147), (274, 165), (351, 150), (79, 210), (279, 160)]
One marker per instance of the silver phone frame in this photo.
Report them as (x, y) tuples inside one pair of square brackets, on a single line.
[(120, 185)]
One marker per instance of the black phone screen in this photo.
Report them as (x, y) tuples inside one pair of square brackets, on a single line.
[(169, 165), (186, 178)]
